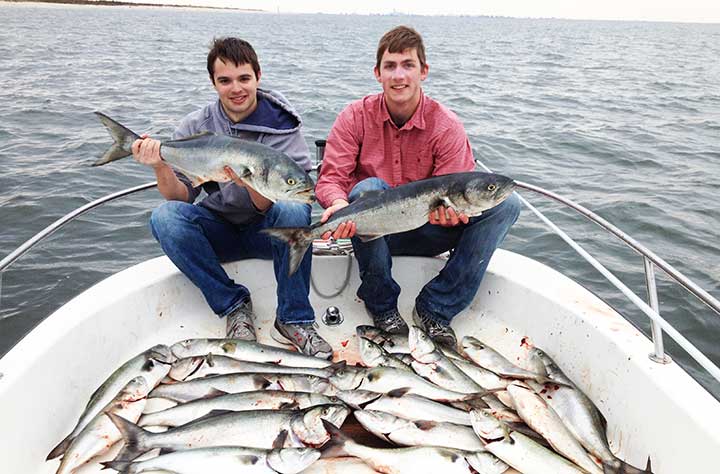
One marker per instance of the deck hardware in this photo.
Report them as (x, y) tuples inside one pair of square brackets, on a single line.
[(332, 316)]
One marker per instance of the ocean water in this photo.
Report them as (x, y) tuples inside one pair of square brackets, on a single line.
[(622, 117)]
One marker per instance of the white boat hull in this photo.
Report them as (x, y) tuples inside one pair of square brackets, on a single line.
[(652, 410)]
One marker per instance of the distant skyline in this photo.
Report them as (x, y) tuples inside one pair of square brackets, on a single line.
[(701, 11)]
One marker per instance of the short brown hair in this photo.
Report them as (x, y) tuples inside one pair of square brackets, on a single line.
[(398, 40), (232, 49)]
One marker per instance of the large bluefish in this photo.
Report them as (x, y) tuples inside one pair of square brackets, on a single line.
[(581, 417), (403, 208), (203, 158), (153, 364), (264, 429), (224, 459)]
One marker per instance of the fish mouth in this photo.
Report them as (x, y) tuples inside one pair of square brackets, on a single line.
[(506, 190), (307, 196)]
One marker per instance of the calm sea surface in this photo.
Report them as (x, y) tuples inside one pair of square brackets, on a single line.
[(622, 117)]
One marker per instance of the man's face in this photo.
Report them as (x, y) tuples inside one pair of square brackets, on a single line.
[(237, 88), (400, 75)]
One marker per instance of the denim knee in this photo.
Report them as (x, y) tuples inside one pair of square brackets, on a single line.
[(165, 218), (289, 214), (367, 184), (511, 207)]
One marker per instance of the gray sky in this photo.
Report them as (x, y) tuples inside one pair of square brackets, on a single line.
[(661, 10)]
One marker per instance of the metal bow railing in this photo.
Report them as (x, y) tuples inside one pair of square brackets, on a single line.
[(651, 261)]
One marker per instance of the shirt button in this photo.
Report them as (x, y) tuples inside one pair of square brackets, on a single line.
[(397, 161)]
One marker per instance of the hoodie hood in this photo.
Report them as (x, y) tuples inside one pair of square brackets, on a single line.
[(274, 115)]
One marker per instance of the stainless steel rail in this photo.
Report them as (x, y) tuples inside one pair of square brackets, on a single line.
[(49, 230), (658, 323), (650, 259)]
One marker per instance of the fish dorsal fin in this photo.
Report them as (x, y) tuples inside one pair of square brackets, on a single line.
[(192, 137), (294, 405), (213, 414), (216, 392), (369, 193), (337, 366)]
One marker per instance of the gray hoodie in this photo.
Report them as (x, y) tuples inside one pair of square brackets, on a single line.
[(274, 123)]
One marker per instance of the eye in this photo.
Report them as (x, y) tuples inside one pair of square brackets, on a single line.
[(291, 181), (492, 187)]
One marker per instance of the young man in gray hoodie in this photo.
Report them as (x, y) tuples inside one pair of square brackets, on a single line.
[(226, 224)]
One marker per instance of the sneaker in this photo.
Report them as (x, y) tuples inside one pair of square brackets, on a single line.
[(239, 323), (304, 337), (438, 332), (391, 323)]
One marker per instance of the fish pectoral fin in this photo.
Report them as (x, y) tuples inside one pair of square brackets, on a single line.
[(447, 202), (506, 433), (279, 441), (425, 425), (245, 173), (398, 392), (368, 237), (441, 201)]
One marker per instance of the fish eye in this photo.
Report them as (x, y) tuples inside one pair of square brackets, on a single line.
[(291, 181), (492, 187)]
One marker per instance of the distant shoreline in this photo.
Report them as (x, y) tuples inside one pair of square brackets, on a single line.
[(113, 3)]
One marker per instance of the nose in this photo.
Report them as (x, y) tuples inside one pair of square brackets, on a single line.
[(398, 73)]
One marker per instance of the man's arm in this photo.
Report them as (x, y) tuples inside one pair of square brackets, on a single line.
[(147, 151), (339, 162)]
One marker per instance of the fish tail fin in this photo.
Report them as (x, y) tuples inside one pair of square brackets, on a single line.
[(336, 447), (135, 438), (299, 239), (60, 448), (123, 467), (122, 136), (619, 466)]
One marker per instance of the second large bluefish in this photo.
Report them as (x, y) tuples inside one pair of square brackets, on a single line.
[(406, 207)]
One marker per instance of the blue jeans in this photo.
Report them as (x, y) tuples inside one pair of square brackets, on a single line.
[(198, 240), (452, 290)]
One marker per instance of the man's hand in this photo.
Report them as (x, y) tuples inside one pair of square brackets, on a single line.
[(346, 229), (147, 151), (447, 217), (260, 202)]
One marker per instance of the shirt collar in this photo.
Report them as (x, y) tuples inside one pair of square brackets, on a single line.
[(416, 121)]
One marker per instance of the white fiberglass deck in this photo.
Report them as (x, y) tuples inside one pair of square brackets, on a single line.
[(652, 410)]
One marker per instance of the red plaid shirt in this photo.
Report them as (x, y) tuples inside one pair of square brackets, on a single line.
[(364, 142)]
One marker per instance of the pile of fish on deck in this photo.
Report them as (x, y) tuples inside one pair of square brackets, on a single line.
[(247, 407)]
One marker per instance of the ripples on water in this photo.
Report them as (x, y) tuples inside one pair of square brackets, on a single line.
[(621, 117)]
